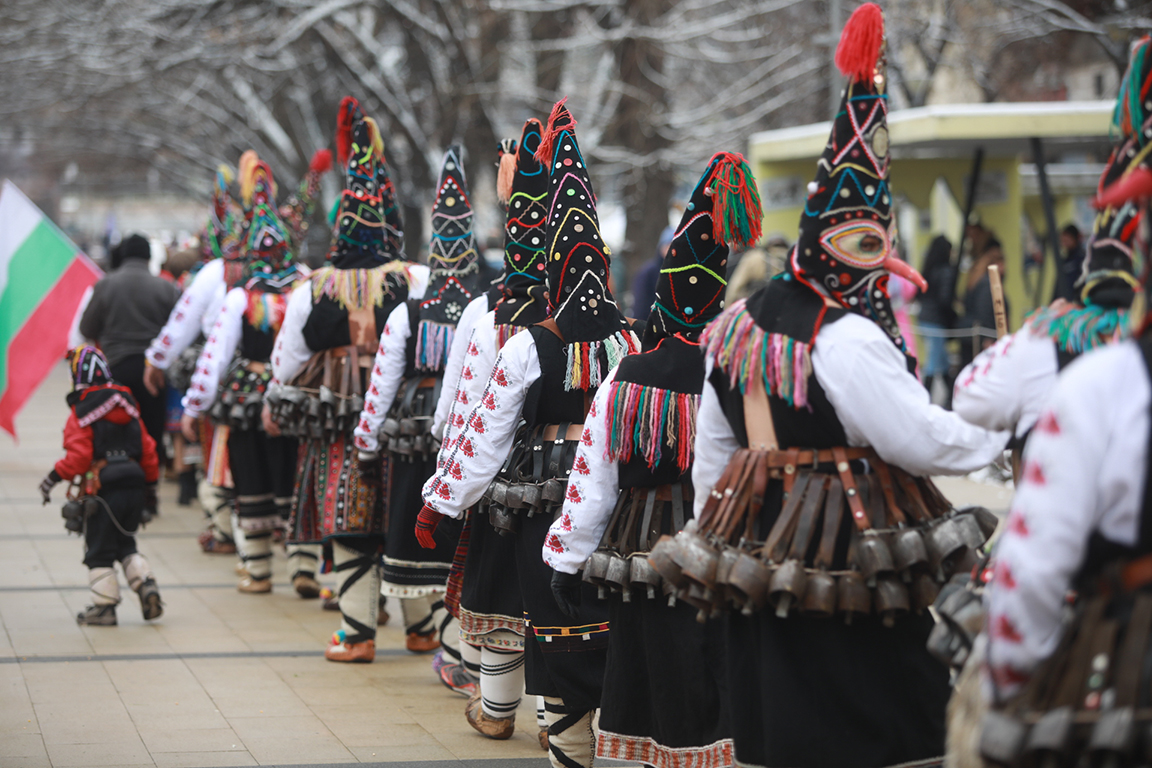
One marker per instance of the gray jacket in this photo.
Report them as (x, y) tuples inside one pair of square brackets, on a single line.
[(127, 310)]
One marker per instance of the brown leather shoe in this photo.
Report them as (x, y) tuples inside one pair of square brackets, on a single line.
[(306, 586), (211, 545), (251, 586), (543, 736), (499, 728), (426, 643), (473, 703), (352, 653)]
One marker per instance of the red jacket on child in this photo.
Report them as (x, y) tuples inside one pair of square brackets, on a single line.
[(78, 435)]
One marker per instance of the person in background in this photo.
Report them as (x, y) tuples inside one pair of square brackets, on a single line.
[(127, 310), (978, 311), (751, 270), (1071, 263), (644, 283), (936, 312), (115, 458)]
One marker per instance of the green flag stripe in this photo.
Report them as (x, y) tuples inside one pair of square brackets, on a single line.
[(35, 267)]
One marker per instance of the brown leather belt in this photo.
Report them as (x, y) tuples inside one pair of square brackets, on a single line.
[(425, 383), (664, 492), (256, 367), (575, 431), (801, 459), (1137, 573)]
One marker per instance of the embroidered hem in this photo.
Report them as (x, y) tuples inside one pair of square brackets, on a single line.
[(480, 624), (643, 749), (389, 589)]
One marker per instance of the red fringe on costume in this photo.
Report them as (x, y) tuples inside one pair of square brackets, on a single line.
[(456, 570), (645, 419)]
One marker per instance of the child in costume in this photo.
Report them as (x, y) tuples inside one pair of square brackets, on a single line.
[(115, 457)]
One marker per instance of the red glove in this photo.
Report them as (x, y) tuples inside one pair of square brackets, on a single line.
[(426, 524)]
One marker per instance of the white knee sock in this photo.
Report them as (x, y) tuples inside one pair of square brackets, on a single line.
[(359, 590), (541, 720), (221, 512), (302, 560), (501, 681), (571, 738), (136, 570), (470, 658), (449, 631), (417, 614), (256, 554), (237, 533), (104, 585)]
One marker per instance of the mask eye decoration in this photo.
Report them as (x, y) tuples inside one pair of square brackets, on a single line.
[(860, 244)]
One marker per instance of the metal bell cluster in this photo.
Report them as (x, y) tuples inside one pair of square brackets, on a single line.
[(1087, 703), (311, 413), (901, 545), (621, 565), (533, 479), (407, 429), (507, 500), (960, 618), (241, 398), (180, 372)]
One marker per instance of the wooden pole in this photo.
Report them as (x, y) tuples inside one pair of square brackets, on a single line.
[(998, 301)]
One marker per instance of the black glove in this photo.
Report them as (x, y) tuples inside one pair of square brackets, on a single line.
[(566, 592), (47, 484), (150, 504)]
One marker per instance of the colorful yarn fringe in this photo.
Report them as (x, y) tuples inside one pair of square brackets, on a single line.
[(1077, 329), (738, 346), (644, 419), (265, 311), (589, 361), (433, 340), (357, 288), (736, 209), (505, 331), (1129, 116)]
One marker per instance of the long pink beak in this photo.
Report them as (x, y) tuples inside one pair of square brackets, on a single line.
[(905, 270)]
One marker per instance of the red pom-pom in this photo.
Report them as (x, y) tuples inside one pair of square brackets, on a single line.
[(860, 42), (349, 108), (1135, 186), (321, 161), (559, 120)]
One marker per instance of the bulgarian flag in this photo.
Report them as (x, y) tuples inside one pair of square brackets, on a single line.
[(43, 278)]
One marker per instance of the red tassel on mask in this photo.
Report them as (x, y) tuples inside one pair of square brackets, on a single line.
[(321, 161), (860, 42), (506, 172), (344, 119), (559, 120)]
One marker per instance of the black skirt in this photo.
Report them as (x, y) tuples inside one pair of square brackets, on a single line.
[(564, 657), (663, 701), (819, 693), (490, 597), (409, 569)]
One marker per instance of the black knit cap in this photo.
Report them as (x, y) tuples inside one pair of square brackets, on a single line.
[(522, 301)]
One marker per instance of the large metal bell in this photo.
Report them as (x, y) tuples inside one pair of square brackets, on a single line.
[(820, 595), (701, 598), (748, 582), (514, 497), (873, 557), (531, 497), (923, 592), (553, 490), (391, 427), (973, 535), (665, 558), (644, 576), (505, 521), (596, 569), (986, 519), (618, 576), (698, 560), (853, 597), (891, 599), (944, 540), (786, 589), (909, 554)]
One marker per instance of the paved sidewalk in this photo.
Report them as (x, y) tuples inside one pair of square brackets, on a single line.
[(223, 679)]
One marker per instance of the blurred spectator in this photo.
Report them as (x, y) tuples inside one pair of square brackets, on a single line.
[(128, 308), (978, 310), (936, 311), (755, 267), (644, 282), (1071, 263), (178, 264)]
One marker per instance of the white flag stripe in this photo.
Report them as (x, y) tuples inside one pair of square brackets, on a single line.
[(18, 217)]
